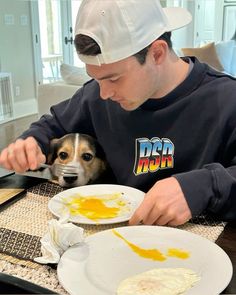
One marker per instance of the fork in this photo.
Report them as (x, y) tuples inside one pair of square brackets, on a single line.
[(58, 169)]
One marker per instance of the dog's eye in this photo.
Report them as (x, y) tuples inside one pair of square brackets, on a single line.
[(63, 155), (87, 157)]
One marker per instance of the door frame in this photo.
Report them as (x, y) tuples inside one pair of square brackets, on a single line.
[(36, 42), (66, 31)]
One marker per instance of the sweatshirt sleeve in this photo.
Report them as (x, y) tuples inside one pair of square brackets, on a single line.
[(211, 189), (69, 116)]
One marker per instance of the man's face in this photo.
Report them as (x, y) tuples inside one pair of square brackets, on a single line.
[(126, 82)]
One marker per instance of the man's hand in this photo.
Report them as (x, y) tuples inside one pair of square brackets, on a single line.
[(164, 204), (22, 155)]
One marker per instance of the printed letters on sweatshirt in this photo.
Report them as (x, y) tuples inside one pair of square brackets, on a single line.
[(152, 155)]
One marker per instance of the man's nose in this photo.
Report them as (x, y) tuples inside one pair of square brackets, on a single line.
[(106, 90)]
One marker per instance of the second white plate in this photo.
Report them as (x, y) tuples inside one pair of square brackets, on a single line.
[(97, 266)]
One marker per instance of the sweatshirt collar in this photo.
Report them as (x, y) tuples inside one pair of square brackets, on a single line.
[(192, 81)]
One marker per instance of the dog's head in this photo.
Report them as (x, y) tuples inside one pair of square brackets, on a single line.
[(81, 151)]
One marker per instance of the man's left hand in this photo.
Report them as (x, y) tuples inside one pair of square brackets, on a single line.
[(164, 204)]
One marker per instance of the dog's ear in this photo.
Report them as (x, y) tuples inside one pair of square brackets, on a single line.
[(52, 155), (99, 150)]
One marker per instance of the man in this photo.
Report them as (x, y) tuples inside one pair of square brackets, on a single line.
[(166, 124)]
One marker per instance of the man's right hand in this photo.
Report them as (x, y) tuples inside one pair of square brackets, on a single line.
[(22, 155)]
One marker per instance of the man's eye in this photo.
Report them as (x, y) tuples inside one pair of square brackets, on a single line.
[(63, 155), (87, 157)]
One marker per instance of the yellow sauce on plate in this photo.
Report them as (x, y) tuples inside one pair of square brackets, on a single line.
[(173, 252), (96, 207), (154, 254)]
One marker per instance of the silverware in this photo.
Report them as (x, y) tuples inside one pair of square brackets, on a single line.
[(51, 171), (58, 169)]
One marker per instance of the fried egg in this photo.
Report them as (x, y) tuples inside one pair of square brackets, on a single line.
[(159, 281)]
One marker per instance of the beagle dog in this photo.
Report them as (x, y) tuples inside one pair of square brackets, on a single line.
[(81, 151)]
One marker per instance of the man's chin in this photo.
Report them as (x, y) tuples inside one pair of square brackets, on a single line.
[(128, 106)]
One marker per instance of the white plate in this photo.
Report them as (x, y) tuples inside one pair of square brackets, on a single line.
[(131, 195), (97, 266)]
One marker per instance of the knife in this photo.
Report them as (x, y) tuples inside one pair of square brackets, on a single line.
[(44, 173)]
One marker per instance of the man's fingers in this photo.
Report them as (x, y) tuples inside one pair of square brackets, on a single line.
[(11, 159), (142, 211), (163, 220), (20, 160), (179, 220), (4, 159), (41, 157), (152, 216), (33, 152), (22, 155), (135, 219)]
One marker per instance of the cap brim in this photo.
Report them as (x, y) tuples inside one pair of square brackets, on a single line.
[(178, 17)]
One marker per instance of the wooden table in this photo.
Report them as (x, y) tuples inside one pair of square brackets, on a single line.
[(226, 241)]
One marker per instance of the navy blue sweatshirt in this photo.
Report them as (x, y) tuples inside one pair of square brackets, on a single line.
[(189, 134)]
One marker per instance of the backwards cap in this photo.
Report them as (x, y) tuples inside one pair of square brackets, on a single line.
[(124, 27)]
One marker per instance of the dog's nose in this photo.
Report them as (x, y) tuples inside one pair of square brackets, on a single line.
[(70, 179)]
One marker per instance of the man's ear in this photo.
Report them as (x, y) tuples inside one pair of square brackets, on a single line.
[(158, 51), (54, 143)]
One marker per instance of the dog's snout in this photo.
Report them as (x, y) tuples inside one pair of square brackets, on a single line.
[(70, 179)]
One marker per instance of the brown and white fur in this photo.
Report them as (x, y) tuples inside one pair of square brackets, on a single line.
[(81, 151)]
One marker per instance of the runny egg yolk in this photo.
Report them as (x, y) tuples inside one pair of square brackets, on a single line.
[(154, 254), (95, 208), (173, 252)]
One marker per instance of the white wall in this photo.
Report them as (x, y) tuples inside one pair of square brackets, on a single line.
[(16, 52), (183, 37)]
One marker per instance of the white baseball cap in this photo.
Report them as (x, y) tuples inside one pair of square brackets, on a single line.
[(124, 27)]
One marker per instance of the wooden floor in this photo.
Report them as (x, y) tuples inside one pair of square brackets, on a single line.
[(11, 130)]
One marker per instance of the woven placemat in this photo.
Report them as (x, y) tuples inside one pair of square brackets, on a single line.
[(25, 222), (43, 275), (21, 245)]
